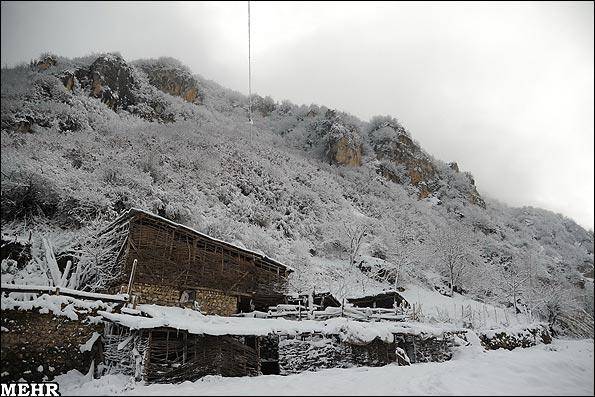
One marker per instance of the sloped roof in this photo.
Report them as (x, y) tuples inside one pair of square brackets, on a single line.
[(133, 212)]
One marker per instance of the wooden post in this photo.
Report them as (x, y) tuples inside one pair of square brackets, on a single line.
[(185, 351), (131, 280)]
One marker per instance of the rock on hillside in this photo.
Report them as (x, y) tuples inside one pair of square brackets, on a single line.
[(73, 95), (390, 142), (343, 142), (172, 77), (110, 79)]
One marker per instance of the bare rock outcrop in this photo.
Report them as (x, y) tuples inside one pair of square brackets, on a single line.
[(390, 142), (173, 78), (343, 142), (45, 62), (110, 79)]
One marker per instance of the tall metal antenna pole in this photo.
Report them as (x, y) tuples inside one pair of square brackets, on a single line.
[(249, 77)]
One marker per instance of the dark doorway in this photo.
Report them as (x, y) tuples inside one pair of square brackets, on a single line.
[(244, 305), (269, 367)]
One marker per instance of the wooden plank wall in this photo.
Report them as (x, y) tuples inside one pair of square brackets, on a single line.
[(177, 257)]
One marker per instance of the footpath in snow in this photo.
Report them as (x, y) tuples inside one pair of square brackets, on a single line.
[(563, 368)]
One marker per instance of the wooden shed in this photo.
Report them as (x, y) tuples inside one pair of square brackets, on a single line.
[(321, 300), (177, 265), (169, 355), (385, 300)]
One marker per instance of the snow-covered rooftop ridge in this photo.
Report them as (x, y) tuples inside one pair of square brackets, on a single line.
[(197, 323), (132, 211)]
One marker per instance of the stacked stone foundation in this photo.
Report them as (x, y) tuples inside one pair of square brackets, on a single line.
[(37, 347)]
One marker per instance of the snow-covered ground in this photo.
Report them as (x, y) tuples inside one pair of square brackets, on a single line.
[(563, 368), (459, 309)]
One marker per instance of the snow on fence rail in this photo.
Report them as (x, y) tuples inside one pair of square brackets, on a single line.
[(364, 314), (52, 290)]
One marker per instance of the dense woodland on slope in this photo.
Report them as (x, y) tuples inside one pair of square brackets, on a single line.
[(354, 206)]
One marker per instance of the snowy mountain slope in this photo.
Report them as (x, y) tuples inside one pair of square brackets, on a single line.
[(84, 139)]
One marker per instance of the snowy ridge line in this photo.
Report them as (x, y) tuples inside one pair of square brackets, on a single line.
[(135, 210), (196, 323), (63, 291)]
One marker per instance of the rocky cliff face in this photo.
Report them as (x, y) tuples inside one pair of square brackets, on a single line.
[(392, 144), (345, 152), (403, 161), (343, 143), (340, 139), (109, 79), (173, 79), (53, 83), (472, 195), (389, 147)]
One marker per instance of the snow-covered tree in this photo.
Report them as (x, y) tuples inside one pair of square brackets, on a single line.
[(451, 250), (514, 280)]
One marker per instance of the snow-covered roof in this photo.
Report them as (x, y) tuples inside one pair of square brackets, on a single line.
[(153, 316), (134, 211), (375, 294)]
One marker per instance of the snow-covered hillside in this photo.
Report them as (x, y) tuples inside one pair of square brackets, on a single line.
[(354, 206)]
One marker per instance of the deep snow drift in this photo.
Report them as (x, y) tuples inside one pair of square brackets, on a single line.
[(563, 368)]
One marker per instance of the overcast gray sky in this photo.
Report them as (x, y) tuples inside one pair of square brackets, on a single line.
[(504, 89)]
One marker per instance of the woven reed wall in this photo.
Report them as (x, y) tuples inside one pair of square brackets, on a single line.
[(180, 259), (176, 356)]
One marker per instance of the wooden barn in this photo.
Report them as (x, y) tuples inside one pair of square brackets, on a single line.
[(179, 266)]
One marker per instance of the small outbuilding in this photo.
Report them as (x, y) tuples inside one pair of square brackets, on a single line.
[(384, 300)]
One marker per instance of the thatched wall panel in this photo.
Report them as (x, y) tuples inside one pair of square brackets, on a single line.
[(178, 258)]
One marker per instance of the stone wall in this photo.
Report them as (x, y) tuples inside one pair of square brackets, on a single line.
[(423, 349), (511, 339), (316, 351), (156, 294), (37, 347), (210, 301), (216, 302)]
